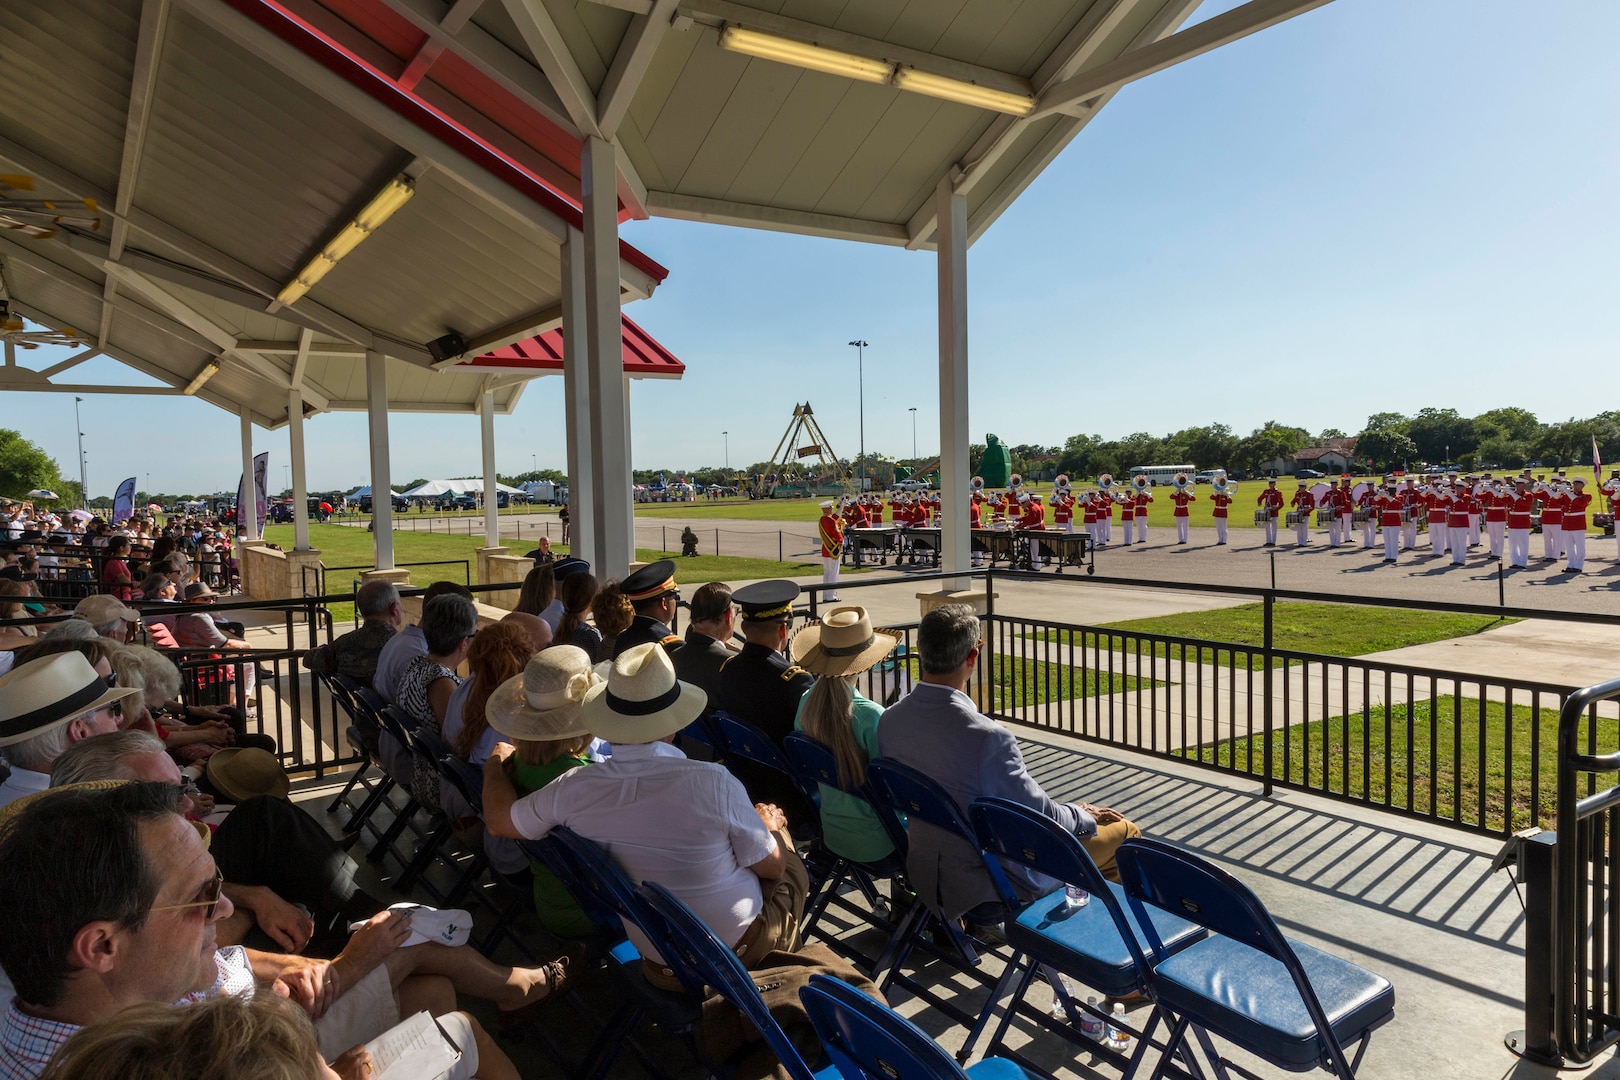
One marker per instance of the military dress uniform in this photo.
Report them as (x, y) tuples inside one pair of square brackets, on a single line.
[(1272, 500), (649, 583), (1304, 502), (832, 550), (1181, 499), (1519, 505), (1575, 505)]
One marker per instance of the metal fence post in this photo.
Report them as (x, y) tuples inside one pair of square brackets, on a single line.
[(1538, 859), (1268, 603), (779, 546), (717, 541), (1501, 584)]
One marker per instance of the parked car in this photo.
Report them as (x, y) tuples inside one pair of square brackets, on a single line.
[(1205, 477), (1309, 474)]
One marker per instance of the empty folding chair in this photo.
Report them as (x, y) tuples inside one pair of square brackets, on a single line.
[(1099, 944), (343, 698), (755, 758), (867, 1040), (1293, 1005), (700, 959)]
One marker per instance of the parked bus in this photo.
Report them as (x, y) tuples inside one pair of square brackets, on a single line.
[(1161, 475)]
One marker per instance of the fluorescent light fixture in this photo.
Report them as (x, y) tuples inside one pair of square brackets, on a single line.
[(382, 206), (983, 97), (209, 370), (805, 54)]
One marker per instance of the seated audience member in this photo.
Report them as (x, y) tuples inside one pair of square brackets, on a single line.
[(116, 580), (937, 730), (199, 630), (107, 615), (575, 593), (496, 654), (128, 914), (708, 641), (836, 651), (539, 634), (538, 591), (762, 686), (448, 625), (13, 600), (157, 588), (687, 825), (543, 553), (46, 706), (354, 655), (273, 855), (407, 644), (612, 615), (653, 594), (161, 681), (538, 711), (264, 1037)]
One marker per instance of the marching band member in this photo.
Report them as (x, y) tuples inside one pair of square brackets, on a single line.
[(1304, 502), (1105, 507), (1143, 497), (1127, 514), (1496, 502), (1575, 505), (1387, 507), (1088, 516), (832, 550), (1438, 500), (976, 518), (1519, 505), (1462, 500), (1478, 513), (1370, 523), (1330, 506), (1552, 522), (1221, 499), (1063, 505), (1182, 498), (1611, 489), (998, 509), (1033, 517), (1272, 500), (1411, 498)]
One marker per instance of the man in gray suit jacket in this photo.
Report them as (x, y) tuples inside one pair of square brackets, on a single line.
[(937, 730)]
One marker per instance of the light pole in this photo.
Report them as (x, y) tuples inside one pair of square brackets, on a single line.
[(84, 484), (534, 464), (914, 436), (286, 478), (860, 390), (726, 435)]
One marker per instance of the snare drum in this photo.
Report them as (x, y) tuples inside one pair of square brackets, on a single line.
[(1296, 518), (1362, 515), (1326, 516), (1262, 516)]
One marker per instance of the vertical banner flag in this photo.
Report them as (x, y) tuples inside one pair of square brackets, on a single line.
[(261, 465), (1597, 464), (124, 501)]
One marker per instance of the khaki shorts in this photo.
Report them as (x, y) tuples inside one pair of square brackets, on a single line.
[(369, 1008)]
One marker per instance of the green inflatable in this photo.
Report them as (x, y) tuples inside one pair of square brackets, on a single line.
[(996, 468)]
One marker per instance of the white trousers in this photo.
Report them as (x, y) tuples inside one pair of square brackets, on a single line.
[(1369, 529), (1552, 537), (1034, 554), (829, 576), (1141, 526), (1576, 542), (1107, 526), (1494, 532), (1126, 528), (1408, 535), (1392, 542), (1518, 547), (1181, 530), (1437, 538), (1303, 531), (1333, 531), (1271, 530), (1220, 530), (1459, 543), (1473, 530)]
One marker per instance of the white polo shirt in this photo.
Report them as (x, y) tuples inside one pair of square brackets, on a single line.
[(688, 825)]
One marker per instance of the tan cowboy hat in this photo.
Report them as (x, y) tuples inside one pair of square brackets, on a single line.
[(240, 773), (197, 590), (543, 701), (642, 701), (46, 693), (843, 643), (101, 609)]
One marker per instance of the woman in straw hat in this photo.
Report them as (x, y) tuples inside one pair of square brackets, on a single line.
[(538, 711), (836, 650)]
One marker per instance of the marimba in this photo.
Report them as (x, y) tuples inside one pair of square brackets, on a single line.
[(995, 544)]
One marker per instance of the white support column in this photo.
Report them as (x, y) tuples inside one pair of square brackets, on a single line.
[(300, 486), (486, 424), (577, 400), (614, 544), (246, 508), (629, 488), (953, 378), (382, 505)]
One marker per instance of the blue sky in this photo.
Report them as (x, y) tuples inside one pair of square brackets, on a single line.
[(1379, 205)]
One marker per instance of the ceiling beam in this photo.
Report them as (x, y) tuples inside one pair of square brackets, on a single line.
[(301, 358), (552, 56), (290, 348), (527, 326), (31, 387), (71, 362), (754, 216), (435, 43), (635, 54), (1212, 33)]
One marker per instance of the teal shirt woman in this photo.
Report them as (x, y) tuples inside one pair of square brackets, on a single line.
[(848, 825)]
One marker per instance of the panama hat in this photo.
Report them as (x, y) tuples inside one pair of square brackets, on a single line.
[(843, 643), (240, 773), (198, 590), (101, 609), (642, 701), (542, 702), (46, 693)]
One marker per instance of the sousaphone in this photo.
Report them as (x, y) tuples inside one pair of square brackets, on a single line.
[(1182, 481)]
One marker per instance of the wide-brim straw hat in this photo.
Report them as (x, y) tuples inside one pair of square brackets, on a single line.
[(543, 701), (641, 700), (243, 772), (46, 693), (843, 643)]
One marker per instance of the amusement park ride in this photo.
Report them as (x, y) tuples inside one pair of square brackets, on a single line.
[(789, 477)]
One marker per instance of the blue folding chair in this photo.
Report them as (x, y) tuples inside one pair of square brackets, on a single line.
[(1281, 1000), (867, 1040), (1099, 945), (355, 702), (905, 792), (706, 961)]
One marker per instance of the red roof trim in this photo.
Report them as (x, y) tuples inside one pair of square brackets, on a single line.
[(338, 59), (643, 355)]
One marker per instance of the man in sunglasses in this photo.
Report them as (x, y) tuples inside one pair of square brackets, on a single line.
[(46, 706)]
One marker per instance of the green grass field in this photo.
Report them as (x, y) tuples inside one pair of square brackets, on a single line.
[(1326, 629), (1352, 757)]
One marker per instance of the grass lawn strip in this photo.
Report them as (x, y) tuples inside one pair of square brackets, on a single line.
[(1323, 629), (1444, 777)]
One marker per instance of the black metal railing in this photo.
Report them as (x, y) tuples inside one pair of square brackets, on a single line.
[(1572, 918), (317, 575)]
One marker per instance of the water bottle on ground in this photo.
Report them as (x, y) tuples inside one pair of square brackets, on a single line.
[(1118, 1038), (1091, 1025)]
